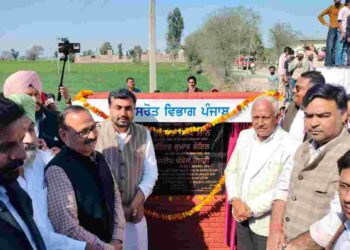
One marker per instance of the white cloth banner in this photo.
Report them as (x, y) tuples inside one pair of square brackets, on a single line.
[(338, 76), (180, 110)]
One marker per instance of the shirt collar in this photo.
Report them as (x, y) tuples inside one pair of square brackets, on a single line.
[(3, 194), (347, 227), (2, 190), (270, 138), (315, 147), (127, 132)]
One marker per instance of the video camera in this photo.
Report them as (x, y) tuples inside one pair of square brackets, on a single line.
[(67, 48)]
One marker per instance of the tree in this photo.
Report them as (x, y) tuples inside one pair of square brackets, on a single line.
[(14, 54), (282, 35), (6, 55), (33, 53), (259, 48), (105, 47), (88, 53), (130, 54), (175, 29), (120, 50), (192, 51), (225, 35), (136, 53)]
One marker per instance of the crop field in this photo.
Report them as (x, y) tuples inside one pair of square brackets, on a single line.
[(105, 77)]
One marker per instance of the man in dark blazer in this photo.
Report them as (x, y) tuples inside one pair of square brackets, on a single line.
[(17, 227)]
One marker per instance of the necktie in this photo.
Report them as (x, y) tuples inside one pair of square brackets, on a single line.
[(23, 205)]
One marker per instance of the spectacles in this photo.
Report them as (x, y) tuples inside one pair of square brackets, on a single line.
[(85, 132), (343, 188)]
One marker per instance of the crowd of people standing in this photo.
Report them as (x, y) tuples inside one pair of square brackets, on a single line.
[(338, 38), (67, 182)]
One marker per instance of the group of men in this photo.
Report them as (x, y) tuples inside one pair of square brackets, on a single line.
[(282, 178), (291, 65), (191, 86), (338, 38), (87, 189)]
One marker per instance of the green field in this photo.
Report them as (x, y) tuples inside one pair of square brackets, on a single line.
[(105, 77)]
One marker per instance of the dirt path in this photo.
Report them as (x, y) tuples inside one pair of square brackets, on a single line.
[(249, 82)]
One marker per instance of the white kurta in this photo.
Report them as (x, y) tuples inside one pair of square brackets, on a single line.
[(136, 234), (297, 128), (33, 183)]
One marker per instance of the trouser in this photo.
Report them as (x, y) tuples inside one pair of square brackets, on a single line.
[(339, 51), (247, 239), (281, 86), (292, 83), (332, 37), (136, 235), (287, 93), (347, 49)]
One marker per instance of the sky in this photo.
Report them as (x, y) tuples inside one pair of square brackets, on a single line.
[(24, 23)]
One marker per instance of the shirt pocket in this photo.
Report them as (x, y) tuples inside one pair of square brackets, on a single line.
[(323, 193)]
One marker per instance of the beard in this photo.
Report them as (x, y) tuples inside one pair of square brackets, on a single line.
[(9, 172), (122, 122), (30, 156)]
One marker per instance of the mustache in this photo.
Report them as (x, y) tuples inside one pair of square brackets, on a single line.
[(30, 146), (89, 141), (315, 130), (123, 117)]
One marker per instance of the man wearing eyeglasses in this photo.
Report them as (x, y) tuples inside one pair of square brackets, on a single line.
[(293, 120), (83, 200)]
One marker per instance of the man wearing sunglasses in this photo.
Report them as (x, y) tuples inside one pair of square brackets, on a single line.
[(83, 201)]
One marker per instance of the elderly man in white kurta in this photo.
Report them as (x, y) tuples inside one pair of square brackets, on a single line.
[(129, 150), (261, 154)]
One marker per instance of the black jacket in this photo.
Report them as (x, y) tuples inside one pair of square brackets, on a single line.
[(48, 128)]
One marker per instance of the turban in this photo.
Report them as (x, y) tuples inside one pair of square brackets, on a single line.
[(26, 103), (299, 51), (18, 82)]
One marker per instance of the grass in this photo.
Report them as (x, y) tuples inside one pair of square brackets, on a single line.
[(105, 77)]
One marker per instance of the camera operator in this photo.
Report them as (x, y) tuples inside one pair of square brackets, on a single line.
[(300, 64)]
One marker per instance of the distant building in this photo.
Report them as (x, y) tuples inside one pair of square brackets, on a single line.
[(110, 58)]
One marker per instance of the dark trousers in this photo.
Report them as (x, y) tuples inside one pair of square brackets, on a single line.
[(247, 239), (332, 37)]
